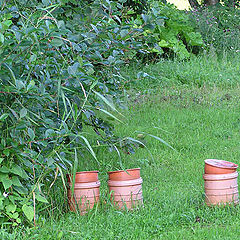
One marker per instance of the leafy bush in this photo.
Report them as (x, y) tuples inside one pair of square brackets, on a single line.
[(168, 30), (219, 26), (51, 86)]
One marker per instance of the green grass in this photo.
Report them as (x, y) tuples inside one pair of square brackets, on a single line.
[(200, 123), (208, 69)]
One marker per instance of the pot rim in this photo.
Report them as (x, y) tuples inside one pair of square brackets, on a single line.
[(68, 174), (231, 165), (94, 171), (219, 177), (128, 183), (123, 170), (88, 185)]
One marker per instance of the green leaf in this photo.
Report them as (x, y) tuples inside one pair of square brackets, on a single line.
[(23, 112), (194, 39), (31, 133), (50, 161), (30, 85), (15, 215), (7, 24), (56, 42), (75, 165), (4, 116), (21, 190), (1, 204), (33, 58), (1, 38), (62, 177), (14, 113), (89, 147), (72, 70), (137, 141), (109, 114), (60, 235), (123, 33), (7, 183), (49, 133), (11, 208), (12, 73), (19, 84), (93, 84), (105, 100), (4, 169), (16, 181), (159, 139), (163, 43), (16, 170), (157, 49), (160, 22), (41, 198), (64, 102), (1, 160), (28, 211), (18, 220), (6, 152)]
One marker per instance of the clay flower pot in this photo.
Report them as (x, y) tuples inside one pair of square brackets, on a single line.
[(214, 166), (125, 188), (86, 191), (221, 188)]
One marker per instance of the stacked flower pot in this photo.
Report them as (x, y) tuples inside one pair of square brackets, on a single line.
[(85, 192), (125, 188), (220, 182)]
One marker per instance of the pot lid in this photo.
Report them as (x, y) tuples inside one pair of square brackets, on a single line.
[(221, 163)]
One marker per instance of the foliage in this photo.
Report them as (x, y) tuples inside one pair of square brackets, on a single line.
[(50, 90), (197, 3), (138, 6), (167, 30), (219, 26), (231, 3)]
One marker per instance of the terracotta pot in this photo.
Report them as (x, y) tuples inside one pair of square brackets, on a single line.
[(214, 166), (126, 188), (122, 175), (221, 188), (83, 177), (86, 191)]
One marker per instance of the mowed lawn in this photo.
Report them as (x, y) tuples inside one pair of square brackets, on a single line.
[(199, 122)]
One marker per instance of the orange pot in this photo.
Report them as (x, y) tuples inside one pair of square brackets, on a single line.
[(221, 188), (83, 177), (86, 191), (214, 166), (122, 175), (126, 188)]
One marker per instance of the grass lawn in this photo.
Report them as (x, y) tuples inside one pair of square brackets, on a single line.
[(200, 119)]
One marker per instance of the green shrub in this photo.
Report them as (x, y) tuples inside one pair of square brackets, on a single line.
[(219, 26), (167, 30), (56, 81)]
